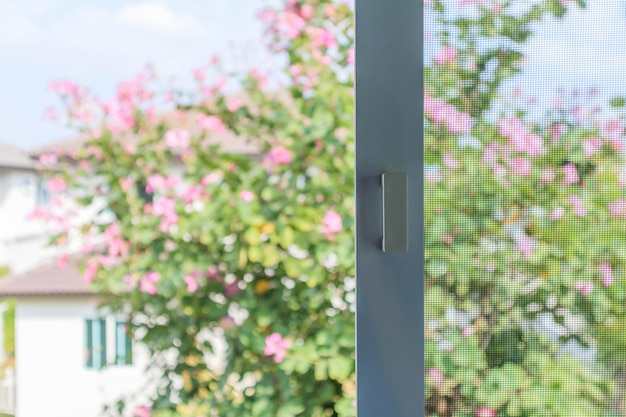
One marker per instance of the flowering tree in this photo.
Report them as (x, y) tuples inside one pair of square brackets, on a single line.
[(194, 243)]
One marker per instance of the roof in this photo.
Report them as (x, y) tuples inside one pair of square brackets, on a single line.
[(49, 279), (228, 142), (12, 157)]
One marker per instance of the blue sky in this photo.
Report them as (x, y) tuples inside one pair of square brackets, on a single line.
[(99, 43)]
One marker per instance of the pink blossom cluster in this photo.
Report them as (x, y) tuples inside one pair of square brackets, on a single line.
[(117, 246), (491, 154), (177, 139), (446, 55), (57, 185), (211, 123), (66, 88), (148, 282), (436, 375), (166, 209), (618, 208), (322, 38), (607, 274), (584, 287), (577, 205), (142, 411), (519, 137), (191, 280), (442, 113), (526, 245), (48, 159), (158, 182), (332, 224), (277, 156), (485, 411), (591, 146), (277, 346), (570, 175)]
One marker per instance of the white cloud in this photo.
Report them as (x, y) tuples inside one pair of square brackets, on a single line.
[(158, 18)]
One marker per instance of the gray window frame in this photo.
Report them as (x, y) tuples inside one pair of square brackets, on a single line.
[(389, 132)]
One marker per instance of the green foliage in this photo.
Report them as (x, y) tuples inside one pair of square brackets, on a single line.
[(8, 320)]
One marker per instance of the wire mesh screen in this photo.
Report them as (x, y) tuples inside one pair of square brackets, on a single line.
[(525, 208)]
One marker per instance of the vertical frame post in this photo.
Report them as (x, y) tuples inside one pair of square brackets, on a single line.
[(389, 132)]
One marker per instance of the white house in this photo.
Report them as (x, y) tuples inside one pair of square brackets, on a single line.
[(22, 242), (70, 361)]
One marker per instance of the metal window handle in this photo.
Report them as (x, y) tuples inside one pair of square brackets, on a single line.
[(395, 212)]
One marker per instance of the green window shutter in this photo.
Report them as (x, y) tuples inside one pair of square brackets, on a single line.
[(96, 351), (123, 345), (89, 343), (103, 343)]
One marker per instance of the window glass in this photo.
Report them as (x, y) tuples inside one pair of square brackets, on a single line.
[(123, 344), (95, 343)]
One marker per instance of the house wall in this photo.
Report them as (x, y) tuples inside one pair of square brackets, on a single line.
[(51, 376), (22, 241)]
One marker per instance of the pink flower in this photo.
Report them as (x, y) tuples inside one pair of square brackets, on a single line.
[(177, 139), (490, 153), (618, 208), (278, 156), (232, 289), (467, 331), (166, 209), (499, 170), (246, 195), (198, 74), (485, 411), (557, 131), (442, 113), (585, 288), (350, 58), (446, 55), (62, 261), (148, 282), (233, 104), (591, 146), (607, 274), (521, 166), (577, 205), (57, 185), (571, 175), (332, 223), (547, 176), (211, 123), (192, 283), (526, 245), (142, 411), (48, 159), (158, 182), (91, 270), (436, 375), (557, 213), (450, 162), (521, 139), (211, 178), (277, 346)]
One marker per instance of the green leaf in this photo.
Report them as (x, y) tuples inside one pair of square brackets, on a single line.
[(340, 368)]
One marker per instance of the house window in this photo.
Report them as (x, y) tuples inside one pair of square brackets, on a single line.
[(123, 344), (95, 343), (43, 195)]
